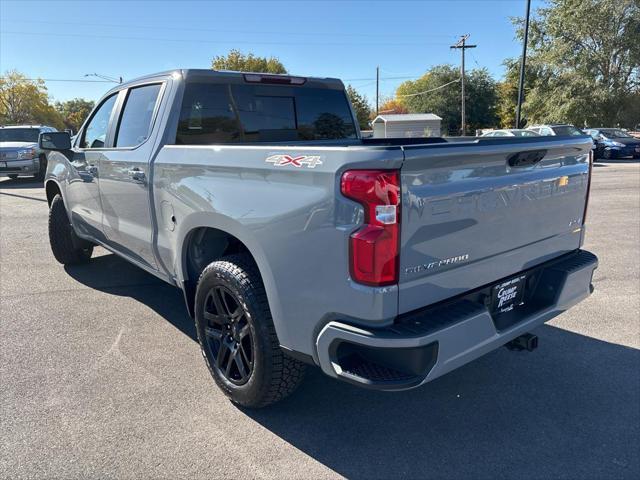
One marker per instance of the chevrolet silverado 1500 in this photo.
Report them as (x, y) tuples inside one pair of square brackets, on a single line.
[(385, 262)]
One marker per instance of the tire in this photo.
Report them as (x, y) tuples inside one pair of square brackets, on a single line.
[(609, 154), (42, 169), (65, 244), (12, 176), (234, 327)]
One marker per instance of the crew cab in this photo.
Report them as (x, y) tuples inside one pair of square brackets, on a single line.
[(385, 262)]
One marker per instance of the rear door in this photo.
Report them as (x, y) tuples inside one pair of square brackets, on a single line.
[(124, 174), (476, 213)]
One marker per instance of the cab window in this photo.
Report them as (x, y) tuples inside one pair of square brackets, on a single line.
[(95, 135), (135, 122)]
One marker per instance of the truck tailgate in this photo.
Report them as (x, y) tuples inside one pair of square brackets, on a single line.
[(477, 212)]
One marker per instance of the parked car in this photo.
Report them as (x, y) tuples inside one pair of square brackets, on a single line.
[(556, 129), (511, 132), (385, 262), (19, 151), (614, 143)]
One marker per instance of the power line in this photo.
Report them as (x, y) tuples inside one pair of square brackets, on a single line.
[(63, 80), (430, 90), (225, 41), (382, 79), (190, 28)]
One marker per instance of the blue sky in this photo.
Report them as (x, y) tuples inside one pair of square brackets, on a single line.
[(344, 39)]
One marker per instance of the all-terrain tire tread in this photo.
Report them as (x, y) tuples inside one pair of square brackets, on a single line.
[(61, 236), (286, 373)]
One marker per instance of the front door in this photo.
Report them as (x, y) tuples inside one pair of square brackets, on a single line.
[(82, 188), (124, 176)]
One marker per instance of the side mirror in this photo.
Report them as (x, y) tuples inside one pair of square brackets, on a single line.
[(55, 141)]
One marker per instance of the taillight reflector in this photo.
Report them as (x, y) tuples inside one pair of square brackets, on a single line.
[(373, 249)]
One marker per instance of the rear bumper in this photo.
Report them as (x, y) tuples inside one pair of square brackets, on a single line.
[(425, 344)]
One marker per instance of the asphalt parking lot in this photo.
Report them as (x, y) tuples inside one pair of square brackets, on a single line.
[(100, 376)]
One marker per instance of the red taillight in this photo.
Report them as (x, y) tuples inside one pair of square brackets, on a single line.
[(586, 201), (373, 249)]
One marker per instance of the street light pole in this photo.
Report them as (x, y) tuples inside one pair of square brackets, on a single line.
[(104, 77), (523, 61), (377, 89)]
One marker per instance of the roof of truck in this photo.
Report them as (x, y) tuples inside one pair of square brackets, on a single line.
[(202, 72)]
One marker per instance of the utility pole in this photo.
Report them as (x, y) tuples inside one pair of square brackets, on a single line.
[(462, 45), (377, 88), (523, 61)]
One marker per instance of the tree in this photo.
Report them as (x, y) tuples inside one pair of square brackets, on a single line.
[(74, 112), (583, 63), (392, 106), (25, 101), (240, 62), (508, 94), (481, 96), (360, 106)]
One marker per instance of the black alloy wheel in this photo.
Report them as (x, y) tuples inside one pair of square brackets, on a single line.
[(228, 335), (237, 336)]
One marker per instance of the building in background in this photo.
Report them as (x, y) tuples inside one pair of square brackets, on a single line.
[(406, 125)]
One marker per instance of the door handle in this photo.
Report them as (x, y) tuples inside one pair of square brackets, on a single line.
[(92, 169), (137, 175), (525, 159)]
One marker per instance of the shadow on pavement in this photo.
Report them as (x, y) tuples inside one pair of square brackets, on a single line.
[(110, 273), (570, 409), (604, 161), (20, 182), (26, 197)]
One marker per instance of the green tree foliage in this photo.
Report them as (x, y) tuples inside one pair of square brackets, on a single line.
[(360, 106), (74, 112), (481, 98), (583, 64), (240, 62), (26, 101), (508, 94)]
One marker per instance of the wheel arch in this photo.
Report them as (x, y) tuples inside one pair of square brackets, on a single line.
[(209, 241), (52, 189)]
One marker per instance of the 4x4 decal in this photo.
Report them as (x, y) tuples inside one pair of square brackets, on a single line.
[(279, 160)]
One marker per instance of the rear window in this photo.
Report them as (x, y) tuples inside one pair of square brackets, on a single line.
[(215, 113)]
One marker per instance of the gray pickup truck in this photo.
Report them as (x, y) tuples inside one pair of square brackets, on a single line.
[(385, 262)]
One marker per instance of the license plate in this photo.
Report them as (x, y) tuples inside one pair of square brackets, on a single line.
[(3, 164), (508, 295)]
